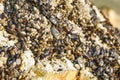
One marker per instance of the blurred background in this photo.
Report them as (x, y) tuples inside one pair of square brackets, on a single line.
[(111, 9)]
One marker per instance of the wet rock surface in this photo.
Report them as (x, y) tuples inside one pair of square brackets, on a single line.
[(40, 36)]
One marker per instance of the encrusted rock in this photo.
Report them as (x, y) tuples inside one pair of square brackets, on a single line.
[(57, 39)]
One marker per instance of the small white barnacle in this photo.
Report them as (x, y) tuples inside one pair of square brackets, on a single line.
[(1, 8), (55, 32), (59, 15)]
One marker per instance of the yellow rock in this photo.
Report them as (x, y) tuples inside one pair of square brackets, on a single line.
[(66, 75)]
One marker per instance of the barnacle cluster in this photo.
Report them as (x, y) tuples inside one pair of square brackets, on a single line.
[(41, 36)]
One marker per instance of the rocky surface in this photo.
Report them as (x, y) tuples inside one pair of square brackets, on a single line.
[(54, 39)]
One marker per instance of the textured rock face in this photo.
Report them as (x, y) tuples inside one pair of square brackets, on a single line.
[(57, 39)]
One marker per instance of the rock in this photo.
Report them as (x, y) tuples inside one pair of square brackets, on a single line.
[(57, 39)]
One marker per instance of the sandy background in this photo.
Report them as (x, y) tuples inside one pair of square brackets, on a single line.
[(111, 9)]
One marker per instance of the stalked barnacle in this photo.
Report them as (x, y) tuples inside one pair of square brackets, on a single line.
[(45, 54), (53, 20), (74, 36), (55, 32), (10, 62)]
